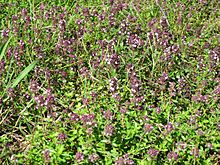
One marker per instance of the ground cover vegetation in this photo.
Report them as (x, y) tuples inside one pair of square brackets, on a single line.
[(109, 82)]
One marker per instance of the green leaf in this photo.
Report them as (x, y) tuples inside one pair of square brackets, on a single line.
[(23, 74), (4, 48), (60, 149)]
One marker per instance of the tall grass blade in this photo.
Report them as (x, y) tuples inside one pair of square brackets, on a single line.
[(23, 74), (4, 48)]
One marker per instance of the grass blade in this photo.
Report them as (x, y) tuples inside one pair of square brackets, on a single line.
[(4, 48), (23, 74)]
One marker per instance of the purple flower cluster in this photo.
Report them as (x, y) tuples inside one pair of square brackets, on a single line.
[(195, 152), (88, 120), (216, 90), (46, 154), (5, 33), (134, 41), (109, 130), (11, 93), (169, 128), (2, 66), (182, 87), (180, 146), (148, 128), (93, 157), (79, 157), (84, 72), (135, 83), (152, 152), (198, 97), (163, 78), (91, 43), (113, 84), (172, 89), (123, 110), (108, 115), (46, 100), (172, 156), (62, 137), (113, 60), (124, 160), (214, 56), (74, 117), (114, 87)]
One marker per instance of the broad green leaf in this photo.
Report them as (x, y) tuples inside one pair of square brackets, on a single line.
[(4, 48), (60, 149), (23, 74)]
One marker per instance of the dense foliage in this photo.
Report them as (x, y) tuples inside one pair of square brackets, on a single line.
[(109, 82)]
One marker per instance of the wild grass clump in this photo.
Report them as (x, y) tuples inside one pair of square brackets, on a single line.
[(109, 82)]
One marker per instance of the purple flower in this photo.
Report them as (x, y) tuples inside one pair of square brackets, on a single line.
[(180, 18), (217, 90), (135, 41), (209, 145), (46, 154), (62, 25), (108, 115), (39, 100), (5, 33), (123, 110), (152, 22), (113, 84), (116, 96), (146, 118), (24, 12), (172, 156), (148, 128), (14, 18), (62, 137), (79, 156), (88, 119), (124, 160), (109, 130), (158, 110), (95, 63), (74, 117), (85, 101), (164, 22), (163, 78), (111, 2), (11, 93), (195, 152), (119, 161), (180, 146), (42, 7), (113, 60), (84, 71), (153, 152), (138, 99), (93, 157), (2, 66), (172, 89), (134, 83), (86, 12), (195, 98), (169, 128), (89, 131), (49, 99)]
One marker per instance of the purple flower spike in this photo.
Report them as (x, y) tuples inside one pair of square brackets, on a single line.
[(153, 152), (109, 130), (172, 156), (79, 156), (169, 127)]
